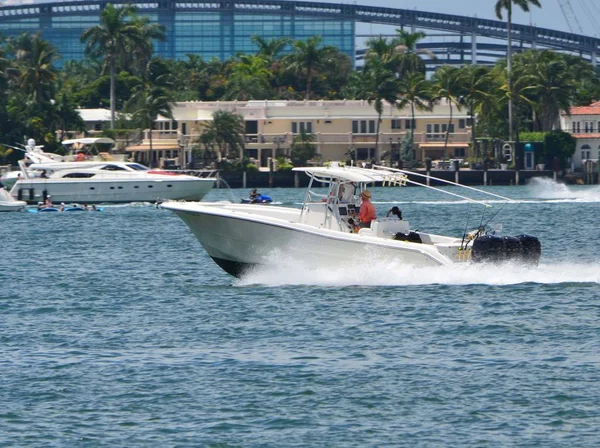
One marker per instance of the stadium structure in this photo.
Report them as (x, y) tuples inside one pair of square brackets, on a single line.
[(222, 29)]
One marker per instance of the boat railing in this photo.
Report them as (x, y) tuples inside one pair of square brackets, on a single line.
[(405, 179), (203, 174)]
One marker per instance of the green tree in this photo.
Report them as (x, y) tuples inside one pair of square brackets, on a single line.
[(476, 85), (414, 90), (410, 58), (508, 6), (270, 49), (379, 85), (147, 103), (117, 34), (34, 64), (225, 134), (560, 145), (447, 85), (303, 148), (67, 118), (307, 59), (249, 79)]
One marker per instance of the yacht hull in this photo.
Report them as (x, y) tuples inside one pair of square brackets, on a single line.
[(238, 241), (112, 191)]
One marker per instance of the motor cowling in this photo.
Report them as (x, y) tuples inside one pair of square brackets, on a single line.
[(521, 248), (488, 248), (532, 248)]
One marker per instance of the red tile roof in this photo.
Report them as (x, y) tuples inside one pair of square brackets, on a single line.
[(586, 110), (589, 136)]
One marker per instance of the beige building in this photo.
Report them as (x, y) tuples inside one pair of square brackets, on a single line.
[(342, 130), (583, 123)]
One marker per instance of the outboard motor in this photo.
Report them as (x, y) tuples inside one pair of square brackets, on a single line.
[(513, 248), (522, 248), (532, 248), (488, 248)]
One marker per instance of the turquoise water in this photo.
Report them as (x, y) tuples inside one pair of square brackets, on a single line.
[(116, 329)]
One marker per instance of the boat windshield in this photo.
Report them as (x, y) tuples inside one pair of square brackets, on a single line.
[(138, 167)]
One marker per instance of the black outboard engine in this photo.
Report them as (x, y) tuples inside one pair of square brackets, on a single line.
[(522, 248), (532, 248), (513, 249), (488, 248)]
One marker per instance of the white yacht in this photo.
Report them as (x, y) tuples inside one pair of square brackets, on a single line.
[(324, 231), (101, 178), (8, 203)]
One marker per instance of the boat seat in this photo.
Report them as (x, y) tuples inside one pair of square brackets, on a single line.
[(106, 156), (388, 227)]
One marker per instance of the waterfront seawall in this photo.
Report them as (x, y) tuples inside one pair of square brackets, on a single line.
[(291, 179)]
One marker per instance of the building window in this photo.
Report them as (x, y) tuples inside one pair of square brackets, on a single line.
[(361, 127), (97, 126), (585, 152), (451, 128), (396, 123), (301, 126), (408, 124), (461, 124), (365, 153), (460, 153)]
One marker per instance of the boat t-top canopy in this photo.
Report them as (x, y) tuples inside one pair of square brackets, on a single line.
[(346, 173), (89, 141)]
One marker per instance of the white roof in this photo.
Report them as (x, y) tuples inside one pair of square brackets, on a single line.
[(89, 140), (94, 114), (348, 173)]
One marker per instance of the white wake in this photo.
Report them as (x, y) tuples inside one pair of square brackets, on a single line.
[(290, 272)]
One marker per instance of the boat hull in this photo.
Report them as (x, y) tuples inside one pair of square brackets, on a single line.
[(237, 241), (112, 191), (12, 206)]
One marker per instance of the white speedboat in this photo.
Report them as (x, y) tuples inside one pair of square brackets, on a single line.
[(323, 232), (102, 178), (8, 203)]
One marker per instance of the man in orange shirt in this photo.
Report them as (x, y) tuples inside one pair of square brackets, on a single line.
[(367, 210)]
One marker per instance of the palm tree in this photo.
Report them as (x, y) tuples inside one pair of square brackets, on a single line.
[(35, 59), (477, 83), (447, 85), (414, 90), (249, 79), (303, 148), (307, 59), (225, 132), (508, 5), (381, 49), (554, 79), (117, 34), (270, 49), (378, 86), (409, 56), (147, 103)]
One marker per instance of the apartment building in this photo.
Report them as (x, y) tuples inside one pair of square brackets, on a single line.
[(342, 130)]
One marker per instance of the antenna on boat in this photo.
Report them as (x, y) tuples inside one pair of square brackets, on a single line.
[(441, 180)]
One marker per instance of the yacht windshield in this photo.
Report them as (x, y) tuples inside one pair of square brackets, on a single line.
[(137, 166)]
